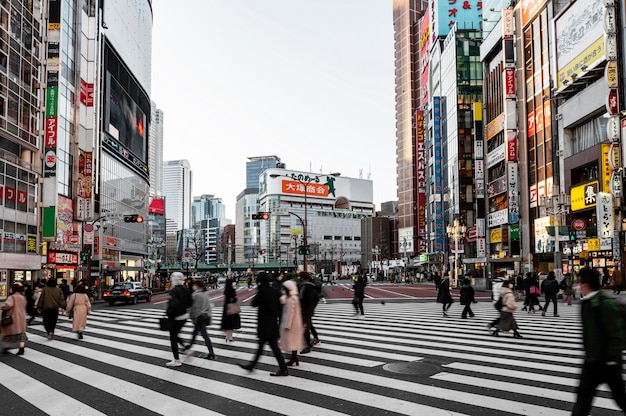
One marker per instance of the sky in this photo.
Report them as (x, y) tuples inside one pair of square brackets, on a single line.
[(311, 82)]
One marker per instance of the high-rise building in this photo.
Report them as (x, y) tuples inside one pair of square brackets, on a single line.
[(155, 151), (209, 220), (177, 187), (256, 165)]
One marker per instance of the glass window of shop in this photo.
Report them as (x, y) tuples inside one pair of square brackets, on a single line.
[(18, 195)]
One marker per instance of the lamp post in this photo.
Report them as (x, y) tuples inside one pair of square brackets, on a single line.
[(560, 205), (456, 232), (305, 181)]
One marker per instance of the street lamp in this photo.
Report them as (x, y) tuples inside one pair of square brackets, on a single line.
[(305, 181), (456, 232), (560, 205)]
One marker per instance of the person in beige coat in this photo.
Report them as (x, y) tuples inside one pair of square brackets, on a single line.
[(78, 307), (509, 305), (15, 307), (291, 324)]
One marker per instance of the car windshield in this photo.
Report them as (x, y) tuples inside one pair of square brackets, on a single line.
[(121, 286)]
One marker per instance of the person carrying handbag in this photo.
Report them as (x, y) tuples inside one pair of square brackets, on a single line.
[(15, 308), (200, 313), (233, 320), (78, 307)]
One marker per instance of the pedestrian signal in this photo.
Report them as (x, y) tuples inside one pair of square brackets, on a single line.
[(133, 218)]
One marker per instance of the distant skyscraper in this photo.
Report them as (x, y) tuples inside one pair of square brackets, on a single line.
[(155, 149), (256, 165), (177, 186)]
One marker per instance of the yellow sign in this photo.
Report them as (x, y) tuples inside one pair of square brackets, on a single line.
[(593, 244), (584, 196), (589, 57), (495, 236), (610, 73)]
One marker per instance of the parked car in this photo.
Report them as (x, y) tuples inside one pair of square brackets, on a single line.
[(129, 292)]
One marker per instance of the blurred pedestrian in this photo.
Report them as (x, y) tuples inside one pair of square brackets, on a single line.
[(15, 307), (309, 299), (443, 296), (467, 298), (178, 303), (509, 305), (550, 288), (78, 307), (29, 294), (437, 279), (519, 286), (359, 295), (267, 300), (567, 285), (201, 313), (603, 340), (50, 300), (606, 278), (617, 279), (230, 321), (291, 324), (533, 293)]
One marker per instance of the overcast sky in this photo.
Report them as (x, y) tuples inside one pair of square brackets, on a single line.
[(311, 82)]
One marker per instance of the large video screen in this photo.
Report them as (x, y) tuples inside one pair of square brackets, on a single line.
[(125, 121)]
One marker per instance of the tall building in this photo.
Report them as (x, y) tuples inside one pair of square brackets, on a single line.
[(256, 165), (177, 188), (209, 220), (20, 140), (155, 151)]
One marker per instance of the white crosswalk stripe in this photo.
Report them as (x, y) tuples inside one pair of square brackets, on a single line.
[(401, 359)]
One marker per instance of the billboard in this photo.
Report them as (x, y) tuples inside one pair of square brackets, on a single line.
[(579, 39), (466, 14), (421, 181)]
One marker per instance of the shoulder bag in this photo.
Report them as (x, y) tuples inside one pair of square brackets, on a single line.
[(233, 308), (6, 319)]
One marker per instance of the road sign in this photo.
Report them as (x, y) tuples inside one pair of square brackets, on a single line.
[(579, 224)]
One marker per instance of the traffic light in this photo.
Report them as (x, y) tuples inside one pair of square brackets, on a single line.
[(83, 256), (261, 216), (572, 236), (304, 250), (133, 218)]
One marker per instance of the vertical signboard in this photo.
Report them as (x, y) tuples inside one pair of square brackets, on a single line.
[(421, 182), (604, 212), (438, 111), (513, 188)]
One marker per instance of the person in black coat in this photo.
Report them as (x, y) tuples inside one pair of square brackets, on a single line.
[(179, 301), (230, 322), (359, 294), (467, 298), (444, 296), (267, 299), (550, 288), (309, 299)]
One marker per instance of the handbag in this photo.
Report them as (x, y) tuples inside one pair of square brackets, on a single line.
[(233, 308), (6, 319), (534, 290), (164, 324)]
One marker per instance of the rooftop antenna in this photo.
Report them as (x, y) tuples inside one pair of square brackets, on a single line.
[(369, 171), (360, 173)]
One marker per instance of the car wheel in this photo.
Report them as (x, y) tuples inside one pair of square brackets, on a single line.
[(111, 302), (149, 298), (134, 300)]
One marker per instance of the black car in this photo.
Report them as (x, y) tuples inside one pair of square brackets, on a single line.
[(129, 292)]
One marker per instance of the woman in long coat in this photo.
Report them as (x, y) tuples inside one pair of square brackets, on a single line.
[(50, 300), (230, 322), (444, 296), (78, 306), (15, 307), (291, 324), (509, 305)]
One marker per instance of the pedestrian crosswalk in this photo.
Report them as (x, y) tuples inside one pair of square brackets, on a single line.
[(403, 358)]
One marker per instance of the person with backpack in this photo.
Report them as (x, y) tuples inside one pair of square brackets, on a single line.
[(603, 341), (550, 288), (508, 306), (179, 301), (467, 298)]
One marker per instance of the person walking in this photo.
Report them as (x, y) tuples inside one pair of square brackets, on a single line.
[(617, 279), (200, 313), (550, 288), (29, 294), (519, 286), (606, 278), (467, 298), (78, 307), (15, 307), (230, 321), (509, 305), (603, 340), (308, 301), (359, 294), (267, 300), (179, 301), (533, 293), (567, 286), (291, 324), (50, 300), (443, 296)]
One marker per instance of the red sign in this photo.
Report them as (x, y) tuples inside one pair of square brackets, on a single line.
[(531, 124), (511, 147), (51, 132), (471, 234), (612, 102), (86, 93), (509, 83), (66, 258), (579, 224)]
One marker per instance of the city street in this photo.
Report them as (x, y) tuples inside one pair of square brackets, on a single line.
[(402, 358)]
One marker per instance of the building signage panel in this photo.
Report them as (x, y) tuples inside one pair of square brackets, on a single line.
[(62, 258), (513, 193), (610, 23), (494, 127), (481, 247), (405, 240), (616, 184), (421, 181), (613, 128), (530, 8), (480, 188), (578, 48), (604, 213), (511, 146), (531, 124), (496, 156), (463, 15), (509, 84), (498, 218), (610, 47), (479, 149), (479, 168), (496, 187), (495, 236), (610, 74), (543, 244), (612, 102), (508, 23), (584, 196)]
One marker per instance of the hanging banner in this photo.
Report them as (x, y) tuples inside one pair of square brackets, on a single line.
[(604, 212)]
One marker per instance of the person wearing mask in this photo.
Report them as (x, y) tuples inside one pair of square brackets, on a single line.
[(50, 300), (230, 321), (550, 288), (78, 307), (509, 305), (603, 340), (308, 301), (179, 301), (443, 296), (201, 312), (267, 300), (15, 307), (291, 325), (359, 295)]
